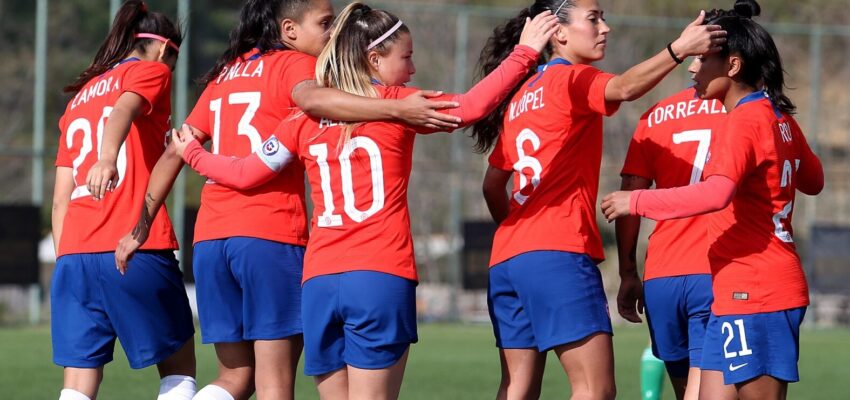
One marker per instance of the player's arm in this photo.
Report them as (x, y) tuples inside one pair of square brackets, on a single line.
[(496, 194), (104, 174), (487, 94), (162, 179), (713, 194), (696, 39), (630, 295), (62, 189), (236, 173), (335, 104), (810, 178)]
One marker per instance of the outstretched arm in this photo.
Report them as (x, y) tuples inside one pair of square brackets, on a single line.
[(696, 39), (415, 110), (713, 194), (237, 173), (487, 94)]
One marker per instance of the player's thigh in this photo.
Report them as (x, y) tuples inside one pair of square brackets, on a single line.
[(589, 364), (384, 383)]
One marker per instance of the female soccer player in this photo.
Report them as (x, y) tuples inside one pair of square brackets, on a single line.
[(545, 291), (359, 271), (113, 130), (760, 161), (249, 244)]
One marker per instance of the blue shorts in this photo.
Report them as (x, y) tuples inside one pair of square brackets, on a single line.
[(677, 310), (744, 347), (91, 304), (364, 319), (545, 299), (248, 289)]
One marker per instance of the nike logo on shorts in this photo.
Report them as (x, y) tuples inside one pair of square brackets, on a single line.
[(733, 368)]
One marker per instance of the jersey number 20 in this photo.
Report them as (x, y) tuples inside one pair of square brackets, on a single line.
[(83, 126)]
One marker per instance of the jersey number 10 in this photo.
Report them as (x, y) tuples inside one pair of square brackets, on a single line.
[(328, 217)]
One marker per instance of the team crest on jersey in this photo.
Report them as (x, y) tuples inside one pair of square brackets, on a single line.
[(271, 147)]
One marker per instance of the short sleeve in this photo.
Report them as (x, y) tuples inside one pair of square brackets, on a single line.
[(586, 89), (299, 67), (735, 154), (151, 80), (499, 157), (63, 154), (637, 162), (199, 118)]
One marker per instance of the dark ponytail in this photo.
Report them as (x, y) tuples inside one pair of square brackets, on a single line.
[(499, 46), (132, 18), (259, 26), (761, 62)]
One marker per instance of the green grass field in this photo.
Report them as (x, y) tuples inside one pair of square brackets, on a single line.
[(450, 362)]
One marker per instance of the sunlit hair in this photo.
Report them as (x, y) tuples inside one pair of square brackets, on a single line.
[(132, 18), (499, 46), (343, 63)]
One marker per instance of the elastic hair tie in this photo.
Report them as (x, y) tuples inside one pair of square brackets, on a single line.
[(154, 36), (144, 7), (384, 36)]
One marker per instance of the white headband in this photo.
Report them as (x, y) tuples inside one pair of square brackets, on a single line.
[(384, 36), (560, 7)]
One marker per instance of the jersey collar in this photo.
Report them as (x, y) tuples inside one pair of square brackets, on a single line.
[(542, 68), (754, 96), (126, 60), (759, 95), (260, 52)]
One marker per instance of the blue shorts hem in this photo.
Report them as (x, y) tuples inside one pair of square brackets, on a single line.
[(516, 346), (275, 336), (323, 371), (226, 339), (377, 365), (162, 355), (551, 344), (672, 357), (68, 363)]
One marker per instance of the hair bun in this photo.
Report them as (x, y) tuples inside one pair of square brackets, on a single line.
[(747, 8)]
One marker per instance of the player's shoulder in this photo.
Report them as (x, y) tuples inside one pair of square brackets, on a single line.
[(147, 68), (289, 57)]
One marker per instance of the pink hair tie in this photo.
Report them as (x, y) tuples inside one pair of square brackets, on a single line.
[(168, 42)]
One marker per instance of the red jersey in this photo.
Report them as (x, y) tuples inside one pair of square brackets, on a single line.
[(239, 110), (754, 262), (97, 226), (359, 191), (555, 154), (670, 146)]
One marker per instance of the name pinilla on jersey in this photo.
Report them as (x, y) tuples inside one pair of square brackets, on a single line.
[(240, 70)]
